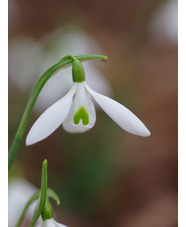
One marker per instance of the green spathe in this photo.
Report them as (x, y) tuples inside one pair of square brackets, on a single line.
[(78, 72), (81, 114)]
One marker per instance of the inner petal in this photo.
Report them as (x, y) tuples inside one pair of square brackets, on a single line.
[(82, 115)]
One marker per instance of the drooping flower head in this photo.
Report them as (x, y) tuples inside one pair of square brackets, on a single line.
[(76, 111)]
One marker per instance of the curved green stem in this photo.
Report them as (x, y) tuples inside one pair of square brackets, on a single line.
[(39, 85)]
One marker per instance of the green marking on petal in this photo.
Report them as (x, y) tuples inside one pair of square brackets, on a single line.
[(81, 114)]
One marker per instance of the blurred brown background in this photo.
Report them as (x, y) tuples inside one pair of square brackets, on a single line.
[(106, 177)]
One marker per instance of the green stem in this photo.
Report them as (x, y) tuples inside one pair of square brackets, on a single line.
[(39, 85), (12, 151)]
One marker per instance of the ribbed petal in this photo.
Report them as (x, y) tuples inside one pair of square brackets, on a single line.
[(49, 223), (58, 224), (81, 100), (51, 119), (120, 114), (46, 223)]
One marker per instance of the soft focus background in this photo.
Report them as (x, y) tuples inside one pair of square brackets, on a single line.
[(106, 177)]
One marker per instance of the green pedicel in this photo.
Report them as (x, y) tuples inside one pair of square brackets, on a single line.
[(81, 114)]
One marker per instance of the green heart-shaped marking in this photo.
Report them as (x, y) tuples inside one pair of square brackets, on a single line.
[(81, 114)]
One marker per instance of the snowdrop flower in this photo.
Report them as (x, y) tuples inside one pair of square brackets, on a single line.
[(50, 223), (76, 112)]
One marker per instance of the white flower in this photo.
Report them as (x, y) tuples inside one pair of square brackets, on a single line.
[(76, 112), (50, 223)]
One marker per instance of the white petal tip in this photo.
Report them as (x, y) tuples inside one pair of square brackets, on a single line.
[(29, 141), (147, 133), (32, 138), (143, 132), (27, 144)]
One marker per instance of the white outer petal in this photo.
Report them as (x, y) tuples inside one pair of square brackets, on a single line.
[(51, 119), (81, 99), (50, 223), (120, 114)]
